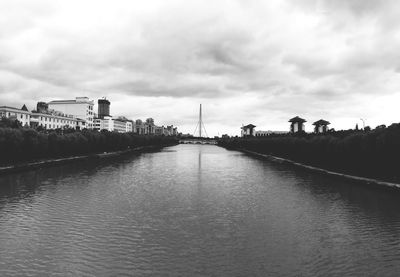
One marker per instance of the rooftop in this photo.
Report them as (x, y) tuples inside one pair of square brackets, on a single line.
[(77, 100), (15, 109), (321, 122), (297, 119), (249, 126)]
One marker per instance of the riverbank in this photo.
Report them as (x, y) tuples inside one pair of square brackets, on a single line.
[(373, 154), (24, 145), (358, 179), (54, 162)]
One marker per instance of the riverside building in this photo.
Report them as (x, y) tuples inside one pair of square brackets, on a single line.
[(48, 119), (105, 123), (80, 107), (53, 120), (120, 125), (22, 115), (139, 127), (269, 133), (54, 115)]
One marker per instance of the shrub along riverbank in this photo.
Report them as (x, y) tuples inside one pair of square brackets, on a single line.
[(373, 154), (24, 144)]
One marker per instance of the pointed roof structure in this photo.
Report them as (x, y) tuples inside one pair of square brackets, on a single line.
[(24, 108), (321, 122), (249, 126), (297, 119)]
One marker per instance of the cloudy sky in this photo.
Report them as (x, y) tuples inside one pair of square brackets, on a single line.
[(249, 61)]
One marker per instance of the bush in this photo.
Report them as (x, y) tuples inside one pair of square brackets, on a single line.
[(25, 144), (371, 153)]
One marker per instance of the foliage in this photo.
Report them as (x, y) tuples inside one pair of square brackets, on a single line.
[(25, 144), (9, 123), (373, 153)]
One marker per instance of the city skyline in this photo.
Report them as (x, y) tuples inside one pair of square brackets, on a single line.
[(245, 61)]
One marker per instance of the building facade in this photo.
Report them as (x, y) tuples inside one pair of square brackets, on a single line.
[(22, 115), (105, 123), (150, 127), (81, 108), (129, 126), (269, 133), (119, 126), (138, 127), (47, 119), (103, 108), (171, 130), (78, 114), (52, 120)]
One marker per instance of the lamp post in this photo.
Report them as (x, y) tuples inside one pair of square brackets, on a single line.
[(363, 123)]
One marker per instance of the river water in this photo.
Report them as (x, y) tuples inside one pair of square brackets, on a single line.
[(194, 210)]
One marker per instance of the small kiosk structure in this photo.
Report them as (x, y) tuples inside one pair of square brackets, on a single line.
[(297, 124), (321, 126), (248, 130)]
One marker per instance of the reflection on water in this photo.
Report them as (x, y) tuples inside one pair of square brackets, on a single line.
[(194, 210)]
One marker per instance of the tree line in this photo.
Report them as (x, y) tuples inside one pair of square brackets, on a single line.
[(373, 153), (19, 144)]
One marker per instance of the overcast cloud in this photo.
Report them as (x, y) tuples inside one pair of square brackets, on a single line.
[(259, 62)]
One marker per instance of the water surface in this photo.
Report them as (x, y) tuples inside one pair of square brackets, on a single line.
[(194, 210)]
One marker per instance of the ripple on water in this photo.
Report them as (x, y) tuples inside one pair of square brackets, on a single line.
[(194, 210)]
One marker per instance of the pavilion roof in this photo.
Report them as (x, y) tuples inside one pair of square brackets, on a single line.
[(321, 122), (249, 126), (297, 119)]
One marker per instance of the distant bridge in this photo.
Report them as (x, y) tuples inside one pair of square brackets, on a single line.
[(198, 141)]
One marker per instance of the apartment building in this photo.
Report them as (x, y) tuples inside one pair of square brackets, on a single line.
[(80, 107), (53, 120), (22, 115)]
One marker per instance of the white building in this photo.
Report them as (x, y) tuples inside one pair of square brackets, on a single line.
[(171, 130), (81, 108), (139, 127), (47, 119), (119, 125), (159, 130), (105, 123), (129, 126), (150, 127), (22, 115), (53, 120), (268, 133)]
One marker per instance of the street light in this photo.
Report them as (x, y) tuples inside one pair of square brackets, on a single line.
[(363, 123)]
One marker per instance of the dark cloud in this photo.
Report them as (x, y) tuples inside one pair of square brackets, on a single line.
[(261, 61)]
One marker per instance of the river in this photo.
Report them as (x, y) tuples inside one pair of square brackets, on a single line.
[(194, 210)]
